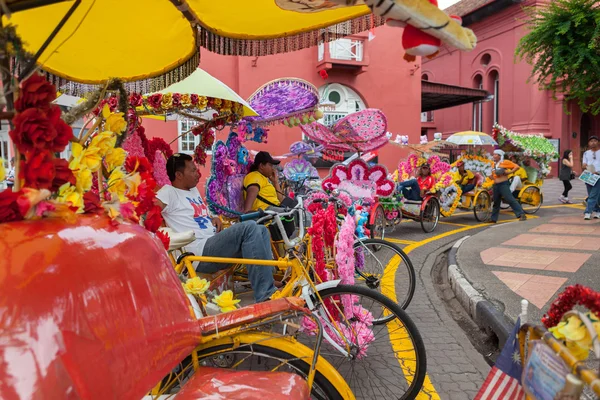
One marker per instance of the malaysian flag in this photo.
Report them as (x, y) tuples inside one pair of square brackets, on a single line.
[(504, 380)]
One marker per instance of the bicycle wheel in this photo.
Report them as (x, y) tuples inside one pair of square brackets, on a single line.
[(531, 199), (389, 362), (430, 215), (482, 206), (258, 351), (383, 266), (378, 227)]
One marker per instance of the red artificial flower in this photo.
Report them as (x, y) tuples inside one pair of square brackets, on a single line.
[(198, 130), (153, 219), (141, 131), (137, 164), (135, 100), (155, 100), (9, 208), (91, 203), (35, 92), (176, 98), (113, 103), (194, 99), (323, 74), (164, 238), (208, 139), (145, 196), (37, 170), (37, 129), (157, 143), (200, 155), (62, 174), (98, 109)]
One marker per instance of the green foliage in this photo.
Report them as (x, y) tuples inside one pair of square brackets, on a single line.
[(563, 46)]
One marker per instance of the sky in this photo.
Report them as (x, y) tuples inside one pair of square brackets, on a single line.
[(446, 3)]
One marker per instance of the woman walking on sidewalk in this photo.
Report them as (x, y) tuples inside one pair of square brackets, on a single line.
[(566, 175), (500, 173)]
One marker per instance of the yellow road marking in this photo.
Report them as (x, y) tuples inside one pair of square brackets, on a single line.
[(451, 223), (400, 241)]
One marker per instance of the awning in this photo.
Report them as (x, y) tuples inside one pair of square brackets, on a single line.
[(435, 96)]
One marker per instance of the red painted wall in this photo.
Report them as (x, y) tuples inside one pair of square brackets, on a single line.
[(389, 84)]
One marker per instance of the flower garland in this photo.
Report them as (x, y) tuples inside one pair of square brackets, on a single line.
[(207, 139), (535, 146), (450, 199), (345, 252), (573, 332), (476, 163)]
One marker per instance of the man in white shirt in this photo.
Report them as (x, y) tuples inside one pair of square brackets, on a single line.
[(184, 210), (591, 162), (10, 177)]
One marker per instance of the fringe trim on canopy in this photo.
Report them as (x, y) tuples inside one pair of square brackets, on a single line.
[(144, 86), (255, 48)]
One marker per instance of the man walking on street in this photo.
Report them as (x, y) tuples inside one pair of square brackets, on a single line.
[(591, 162)]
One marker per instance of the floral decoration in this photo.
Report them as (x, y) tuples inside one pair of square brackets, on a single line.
[(359, 180), (225, 301), (535, 146), (196, 286)]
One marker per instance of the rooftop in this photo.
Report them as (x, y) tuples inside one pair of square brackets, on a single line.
[(464, 7)]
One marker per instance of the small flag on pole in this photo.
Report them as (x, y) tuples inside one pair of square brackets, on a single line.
[(504, 380)]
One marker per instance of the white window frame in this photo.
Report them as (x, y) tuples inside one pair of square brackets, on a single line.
[(184, 125), (346, 49)]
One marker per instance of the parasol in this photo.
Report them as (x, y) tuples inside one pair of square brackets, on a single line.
[(472, 138), (361, 131), (201, 84), (304, 149)]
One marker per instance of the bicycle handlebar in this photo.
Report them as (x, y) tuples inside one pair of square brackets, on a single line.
[(252, 216)]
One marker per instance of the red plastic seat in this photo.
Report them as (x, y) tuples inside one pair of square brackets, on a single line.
[(215, 384)]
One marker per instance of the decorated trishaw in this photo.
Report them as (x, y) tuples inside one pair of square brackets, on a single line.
[(524, 148), (479, 199)]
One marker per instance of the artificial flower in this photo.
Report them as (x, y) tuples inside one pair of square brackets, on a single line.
[(157, 143), (35, 129), (117, 183), (135, 100), (176, 100), (37, 170), (115, 158), (153, 219), (9, 209), (128, 211), (83, 179), (69, 194), (62, 174), (91, 203), (113, 103), (116, 123), (155, 100), (167, 100), (194, 99), (35, 92), (112, 208), (195, 285), (202, 102), (104, 141), (225, 301), (85, 158), (2, 170), (137, 164), (134, 145), (215, 103), (160, 170), (185, 100), (164, 238), (29, 200)]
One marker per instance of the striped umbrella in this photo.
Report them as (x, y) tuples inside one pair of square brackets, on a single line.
[(472, 138)]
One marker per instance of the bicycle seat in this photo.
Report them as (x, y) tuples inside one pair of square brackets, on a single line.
[(178, 239)]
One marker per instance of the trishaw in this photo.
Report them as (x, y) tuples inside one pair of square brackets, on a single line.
[(528, 147), (478, 200)]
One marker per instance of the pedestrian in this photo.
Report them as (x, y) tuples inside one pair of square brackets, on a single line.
[(566, 175), (591, 162), (502, 169), (10, 177)]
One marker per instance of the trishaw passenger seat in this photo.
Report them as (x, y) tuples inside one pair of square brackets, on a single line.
[(479, 179), (178, 239)]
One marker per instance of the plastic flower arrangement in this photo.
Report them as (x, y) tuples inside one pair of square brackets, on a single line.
[(535, 146), (476, 163), (196, 286), (225, 301), (576, 335)]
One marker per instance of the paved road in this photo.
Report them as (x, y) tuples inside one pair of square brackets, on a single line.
[(455, 369)]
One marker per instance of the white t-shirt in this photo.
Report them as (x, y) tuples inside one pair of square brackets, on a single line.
[(185, 211), (589, 159)]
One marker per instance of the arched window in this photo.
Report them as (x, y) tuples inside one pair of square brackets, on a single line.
[(424, 77), (340, 100), (495, 86), (478, 107)]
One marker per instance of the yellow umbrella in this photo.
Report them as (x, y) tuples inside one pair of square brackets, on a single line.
[(472, 138)]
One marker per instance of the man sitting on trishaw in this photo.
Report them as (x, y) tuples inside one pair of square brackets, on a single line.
[(464, 178), (415, 189)]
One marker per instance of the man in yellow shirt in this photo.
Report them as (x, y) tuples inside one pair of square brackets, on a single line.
[(261, 185), (517, 178), (464, 178)]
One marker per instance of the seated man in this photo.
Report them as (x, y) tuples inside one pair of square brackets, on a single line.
[(415, 189), (261, 185), (517, 178), (464, 178), (184, 210)]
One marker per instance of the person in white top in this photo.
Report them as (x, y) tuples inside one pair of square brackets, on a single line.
[(183, 210), (591, 162), (10, 177)]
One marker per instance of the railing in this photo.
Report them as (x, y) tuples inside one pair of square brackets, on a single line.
[(343, 49), (331, 118)]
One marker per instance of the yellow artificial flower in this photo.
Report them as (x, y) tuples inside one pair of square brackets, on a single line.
[(115, 123), (186, 100), (2, 170), (167, 100), (105, 141), (575, 335), (69, 194), (196, 286), (85, 157), (105, 111), (133, 182), (112, 209), (225, 301), (202, 102), (115, 158), (117, 184), (84, 179), (217, 104)]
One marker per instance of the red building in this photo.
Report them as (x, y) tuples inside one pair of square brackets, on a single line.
[(361, 74), (516, 104)]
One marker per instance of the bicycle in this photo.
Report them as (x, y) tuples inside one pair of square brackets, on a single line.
[(326, 301)]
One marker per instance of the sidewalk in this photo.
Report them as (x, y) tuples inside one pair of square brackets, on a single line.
[(533, 260)]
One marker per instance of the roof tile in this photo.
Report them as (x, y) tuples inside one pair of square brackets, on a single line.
[(464, 7)]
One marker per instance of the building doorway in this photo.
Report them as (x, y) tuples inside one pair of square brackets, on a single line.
[(585, 131)]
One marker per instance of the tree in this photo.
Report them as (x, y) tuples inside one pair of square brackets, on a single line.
[(563, 46)]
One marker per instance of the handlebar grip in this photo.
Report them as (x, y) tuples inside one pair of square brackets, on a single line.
[(252, 216)]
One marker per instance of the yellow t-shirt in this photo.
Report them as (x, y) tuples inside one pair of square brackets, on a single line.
[(463, 180), (521, 173), (266, 190)]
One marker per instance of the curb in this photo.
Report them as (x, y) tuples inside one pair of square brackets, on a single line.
[(481, 310)]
